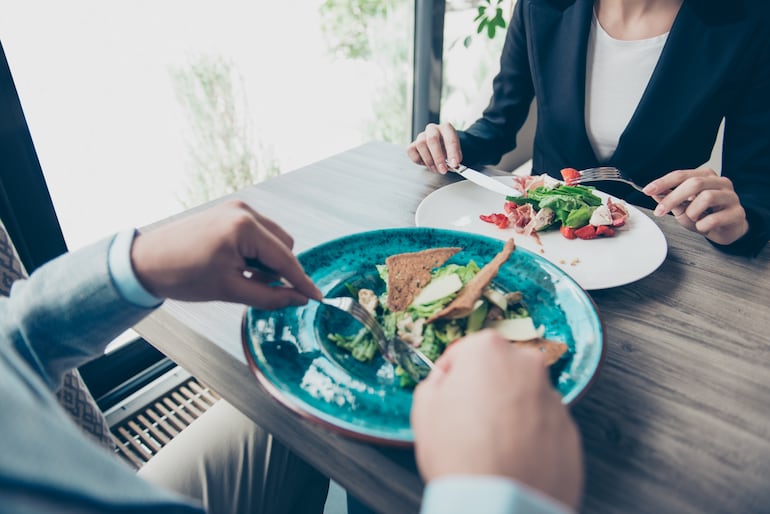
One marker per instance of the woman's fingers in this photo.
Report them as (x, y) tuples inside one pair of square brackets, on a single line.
[(454, 155), (701, 201), (435, 142), (682, 188), (434, 146)]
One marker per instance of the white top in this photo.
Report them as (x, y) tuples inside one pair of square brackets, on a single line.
[(617, 73)]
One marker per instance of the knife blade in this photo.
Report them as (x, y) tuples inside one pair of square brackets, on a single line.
[(485, 181)]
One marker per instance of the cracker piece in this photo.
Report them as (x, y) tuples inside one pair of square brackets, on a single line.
[(463, 304), (408, 273), (553, 350)]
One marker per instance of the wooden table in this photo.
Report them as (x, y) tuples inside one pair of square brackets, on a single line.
[(678, 420)]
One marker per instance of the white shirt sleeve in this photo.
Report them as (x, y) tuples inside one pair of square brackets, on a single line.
[(122, 272), (487, 494)]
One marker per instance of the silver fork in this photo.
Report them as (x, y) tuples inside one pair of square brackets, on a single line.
[(396, 351), (603, 173)]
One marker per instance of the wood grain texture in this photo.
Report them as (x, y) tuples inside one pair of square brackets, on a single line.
[(678, 420)]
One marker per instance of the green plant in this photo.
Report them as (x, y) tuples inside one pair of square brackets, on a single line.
[(345, 23), (373, 31), (220, 143), (490, 17)]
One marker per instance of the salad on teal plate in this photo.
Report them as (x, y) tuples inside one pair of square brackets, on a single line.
[(295, 355)]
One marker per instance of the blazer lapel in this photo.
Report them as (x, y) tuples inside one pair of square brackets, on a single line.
[(695, 59)]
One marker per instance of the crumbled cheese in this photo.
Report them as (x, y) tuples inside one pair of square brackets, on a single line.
[(550, 183), (601, 216), (368, 299), (410, 331)]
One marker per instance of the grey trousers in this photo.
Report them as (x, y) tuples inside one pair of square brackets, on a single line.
[(232, 466)]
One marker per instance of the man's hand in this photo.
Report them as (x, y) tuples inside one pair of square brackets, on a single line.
[(435, 146), (491, 410), (203, 257), (701, 201)]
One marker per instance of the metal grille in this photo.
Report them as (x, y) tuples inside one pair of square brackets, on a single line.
[(139, 437)]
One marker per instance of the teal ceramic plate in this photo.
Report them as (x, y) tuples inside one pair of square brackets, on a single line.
[(289, 352)]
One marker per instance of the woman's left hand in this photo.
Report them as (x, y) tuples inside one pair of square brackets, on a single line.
[(701, 201)]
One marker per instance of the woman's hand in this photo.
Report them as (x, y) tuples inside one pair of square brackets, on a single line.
[(491, 410), (203, 256), (701, 201), (435, 146)]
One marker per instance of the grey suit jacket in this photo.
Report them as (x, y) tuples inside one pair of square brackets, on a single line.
[(62, 316)]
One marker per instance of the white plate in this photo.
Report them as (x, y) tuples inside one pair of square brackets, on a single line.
[(637, 249)]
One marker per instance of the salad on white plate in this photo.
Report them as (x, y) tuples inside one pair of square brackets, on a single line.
[(547, 203)]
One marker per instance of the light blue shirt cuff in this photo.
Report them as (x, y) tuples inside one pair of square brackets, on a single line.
[(122, 272), (487, 494)]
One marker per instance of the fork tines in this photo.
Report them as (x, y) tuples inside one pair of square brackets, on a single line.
[(598, 173), (604, 173)]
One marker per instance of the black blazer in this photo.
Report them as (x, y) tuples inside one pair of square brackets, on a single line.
[(715, 64)]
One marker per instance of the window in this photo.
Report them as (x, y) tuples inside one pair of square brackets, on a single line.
[(139, 110), (471, 58)]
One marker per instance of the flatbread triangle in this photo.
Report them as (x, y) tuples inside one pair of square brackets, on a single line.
[(408, 273)]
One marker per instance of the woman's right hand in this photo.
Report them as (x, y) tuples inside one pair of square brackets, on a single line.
[(435, 146)]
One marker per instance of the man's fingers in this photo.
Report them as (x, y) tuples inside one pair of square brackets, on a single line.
[(271, 226), (268, 250), (263, 296)]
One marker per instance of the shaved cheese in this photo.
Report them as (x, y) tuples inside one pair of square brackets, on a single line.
[(496, 297), (549, 182), (601, 216), (517, 329), (438, 288)]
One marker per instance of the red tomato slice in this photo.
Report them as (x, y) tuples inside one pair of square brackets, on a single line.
[(587, 232), (605, 230), (567, 232), (569, 175)]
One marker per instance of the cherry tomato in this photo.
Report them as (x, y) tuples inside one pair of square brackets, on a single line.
[(567, 232), (587, 232), (569, 175)]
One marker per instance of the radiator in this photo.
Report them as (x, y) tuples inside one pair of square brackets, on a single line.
[(146, 422)]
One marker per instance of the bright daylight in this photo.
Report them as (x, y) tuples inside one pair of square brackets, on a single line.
[(384, 256), (166, 105)]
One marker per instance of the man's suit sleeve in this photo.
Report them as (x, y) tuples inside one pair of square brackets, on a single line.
[(66, 312)]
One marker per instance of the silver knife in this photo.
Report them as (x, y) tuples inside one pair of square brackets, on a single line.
[(484, 181)]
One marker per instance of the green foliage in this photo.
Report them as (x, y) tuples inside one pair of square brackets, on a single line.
[(477, 48), (345, 23), (220, 142), (390, 119), (375, 31), (489, 18)]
